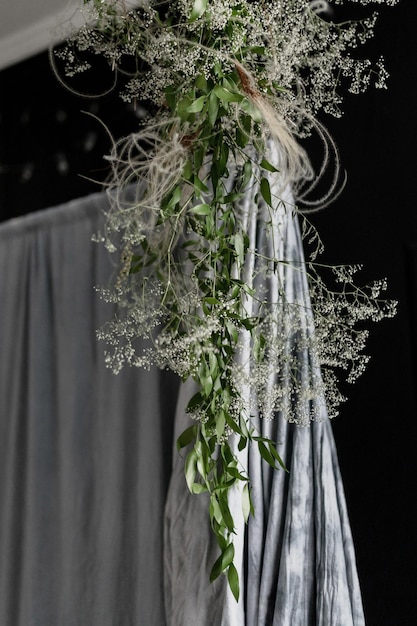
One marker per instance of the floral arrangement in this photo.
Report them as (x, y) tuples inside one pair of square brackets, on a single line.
[(233, 85)]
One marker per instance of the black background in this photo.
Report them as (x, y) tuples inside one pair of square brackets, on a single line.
[(375, 223), (46, 143)]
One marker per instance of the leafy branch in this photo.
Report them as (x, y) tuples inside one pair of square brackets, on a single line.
[(234, 84)]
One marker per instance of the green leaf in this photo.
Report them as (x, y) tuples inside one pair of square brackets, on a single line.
[(188, 170), (251, 110), (227, 96), (211, 300), (218, 70), (197, 105), (266, 191), (213, 108), (199, 185), (232, 197), (215, 512), (239, 247), (247, 173), (217, 384), (266, 165), (182, 108), (189, 243), (202, 459), (212, 357), (171, 96), (231, 422), (228, 456), (228, 556), (201, 209), (187, 436), (190, 469), (207, 384), (275, 454), (223, 488), (265, 454), (258, 347), (224, 560), (232, 330), (246, 122), (199, 8), (229, 84), (199, 154), (220, 424), (233, 580), (209, 226), (201, 82), (244, 427), (250, 322), (247, 507), (249, 291), (227, 516), (198, 488), (234, 472), (175, 198), (216, 570), (214, 175), (242, 138), (242, 443), (257, 49), (195, 401)]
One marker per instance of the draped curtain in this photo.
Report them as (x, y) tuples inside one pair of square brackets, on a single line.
[(84, 455), (96, 525)]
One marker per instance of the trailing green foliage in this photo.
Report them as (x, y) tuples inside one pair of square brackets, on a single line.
[(234, 83)]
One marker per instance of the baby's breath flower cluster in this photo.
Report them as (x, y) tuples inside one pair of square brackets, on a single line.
[(233, 84), (297, 55)]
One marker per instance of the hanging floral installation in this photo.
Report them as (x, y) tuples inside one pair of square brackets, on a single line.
[(232, 86)]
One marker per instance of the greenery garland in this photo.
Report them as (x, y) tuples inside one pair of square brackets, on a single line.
[(233, 85)]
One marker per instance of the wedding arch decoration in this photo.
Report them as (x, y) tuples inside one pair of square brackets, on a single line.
[(232, 87)]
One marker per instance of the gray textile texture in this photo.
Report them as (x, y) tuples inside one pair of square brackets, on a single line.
[(85, 462), (84, 455)]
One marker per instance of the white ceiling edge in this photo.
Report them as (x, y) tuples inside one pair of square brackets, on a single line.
[(39, 36)]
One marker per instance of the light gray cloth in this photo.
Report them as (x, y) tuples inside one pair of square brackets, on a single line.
[(84, 455), (85, 460)]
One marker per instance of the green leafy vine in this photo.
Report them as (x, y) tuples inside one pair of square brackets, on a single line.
[(233, 85)]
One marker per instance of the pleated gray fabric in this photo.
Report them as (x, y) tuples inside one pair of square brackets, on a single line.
[(298, 567), (84, 455)]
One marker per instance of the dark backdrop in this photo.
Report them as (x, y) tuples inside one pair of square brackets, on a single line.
[(46, 143), (375, 223)]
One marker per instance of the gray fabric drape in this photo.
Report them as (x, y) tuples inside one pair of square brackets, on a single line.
[(85, 460), (298, 567), (84, 455)]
